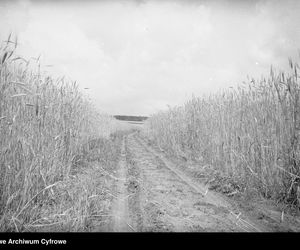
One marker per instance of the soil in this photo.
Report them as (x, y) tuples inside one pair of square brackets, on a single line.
[(152, 193)]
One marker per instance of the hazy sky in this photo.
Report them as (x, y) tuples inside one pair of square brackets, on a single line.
[(139, 56)]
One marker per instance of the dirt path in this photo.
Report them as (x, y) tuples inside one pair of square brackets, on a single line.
[(120, 205), (152, 194)]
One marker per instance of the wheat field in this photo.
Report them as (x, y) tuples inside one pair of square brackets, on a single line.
[(55, 145), (46, 125), (249, 134)]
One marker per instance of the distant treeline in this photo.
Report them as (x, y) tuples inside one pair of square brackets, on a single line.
[(131, 118)]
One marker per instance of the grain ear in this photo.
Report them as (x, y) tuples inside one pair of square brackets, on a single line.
[(241, 132), (4, 57), (44, 125)]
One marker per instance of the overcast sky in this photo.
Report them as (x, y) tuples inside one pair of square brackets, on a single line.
[(137, 57)]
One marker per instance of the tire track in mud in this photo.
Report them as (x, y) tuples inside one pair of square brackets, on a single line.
[(163, 199)]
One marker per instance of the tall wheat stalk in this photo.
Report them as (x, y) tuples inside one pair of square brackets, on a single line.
[(250, 133), (44, 124)]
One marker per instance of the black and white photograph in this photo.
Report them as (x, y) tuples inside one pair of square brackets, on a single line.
[(148, 116)]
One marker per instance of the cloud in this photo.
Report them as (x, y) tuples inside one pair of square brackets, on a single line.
[(139, 56), (14, 17)]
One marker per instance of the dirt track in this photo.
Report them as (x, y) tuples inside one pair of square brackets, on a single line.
[(152, 194)]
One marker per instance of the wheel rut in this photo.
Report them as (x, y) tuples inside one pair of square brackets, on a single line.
[(121, 222), (155, 196)]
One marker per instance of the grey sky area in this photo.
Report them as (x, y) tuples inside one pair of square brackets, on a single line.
[(137, 57)]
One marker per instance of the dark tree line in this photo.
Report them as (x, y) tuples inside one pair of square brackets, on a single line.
[(130, 118)]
